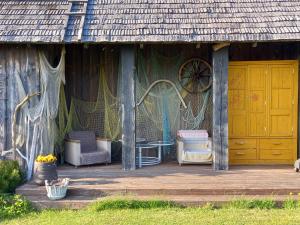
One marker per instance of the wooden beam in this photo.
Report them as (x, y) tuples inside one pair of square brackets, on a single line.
[(218, 46), (127, 61), (220, 109)]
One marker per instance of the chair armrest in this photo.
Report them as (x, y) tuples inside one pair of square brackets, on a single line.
[(72, 152), (72, 140), (104, 145), (180, 149)]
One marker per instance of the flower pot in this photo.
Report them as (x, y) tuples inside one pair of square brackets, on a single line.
[(44, 171)]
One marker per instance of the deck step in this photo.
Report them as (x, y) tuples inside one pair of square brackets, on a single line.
[(79, 202), (98, 191)]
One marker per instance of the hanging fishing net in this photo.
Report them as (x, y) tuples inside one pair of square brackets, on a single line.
[(101, 116), (158, 116), (162, 113), (35, 128)]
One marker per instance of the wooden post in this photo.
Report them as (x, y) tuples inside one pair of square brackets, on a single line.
[(2, 103), (220, 109), (127, 62)]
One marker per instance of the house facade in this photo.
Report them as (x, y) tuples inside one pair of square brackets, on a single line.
[(251, 48)]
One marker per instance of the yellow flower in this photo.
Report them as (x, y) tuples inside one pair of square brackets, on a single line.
[(46, 159)]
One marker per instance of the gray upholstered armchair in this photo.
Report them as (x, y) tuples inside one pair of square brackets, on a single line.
[(83, 148)]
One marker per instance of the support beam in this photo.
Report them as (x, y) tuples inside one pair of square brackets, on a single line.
[(127, 61), (2, 104), (220, 109)]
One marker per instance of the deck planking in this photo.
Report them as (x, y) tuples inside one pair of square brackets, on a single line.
[(188, 184)]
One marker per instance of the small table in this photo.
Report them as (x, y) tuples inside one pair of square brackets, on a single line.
[(160, 144), (147, 160)]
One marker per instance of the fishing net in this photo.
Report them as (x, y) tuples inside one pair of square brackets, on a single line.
[(161, 112), (101, 116), (35, 126), (162, 109)]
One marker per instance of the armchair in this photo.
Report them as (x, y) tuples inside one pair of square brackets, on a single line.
[(194, 147), (83, 148)]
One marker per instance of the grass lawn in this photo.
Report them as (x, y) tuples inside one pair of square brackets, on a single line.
[(163, 216), (156, 212)]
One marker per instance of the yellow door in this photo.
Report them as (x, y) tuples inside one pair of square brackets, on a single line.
[(237, 80), (281, 100), (257, 100), (263, 112)]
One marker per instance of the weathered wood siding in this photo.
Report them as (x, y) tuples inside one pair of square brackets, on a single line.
[(264, 51), (3, 100)]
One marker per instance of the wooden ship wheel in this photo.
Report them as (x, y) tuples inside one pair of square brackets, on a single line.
[(195, 76)]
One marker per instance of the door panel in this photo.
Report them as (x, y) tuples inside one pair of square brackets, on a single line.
[(281, 100), (244, 143), (237, 81), (273, 154), (242, 154), (257, 100)]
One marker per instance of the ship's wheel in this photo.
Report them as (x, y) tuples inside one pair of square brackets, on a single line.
[(195, 75)]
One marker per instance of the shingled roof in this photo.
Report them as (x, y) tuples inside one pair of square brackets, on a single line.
[(33, 20), (149, 20)]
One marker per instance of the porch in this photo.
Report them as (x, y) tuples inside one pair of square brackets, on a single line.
[(189, 184)]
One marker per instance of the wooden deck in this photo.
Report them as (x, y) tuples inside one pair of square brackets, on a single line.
[(188, 184)]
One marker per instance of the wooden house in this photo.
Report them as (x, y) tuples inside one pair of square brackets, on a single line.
[(252, 47)]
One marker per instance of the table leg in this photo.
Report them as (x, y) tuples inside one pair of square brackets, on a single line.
[(140, 157), (159, 154)]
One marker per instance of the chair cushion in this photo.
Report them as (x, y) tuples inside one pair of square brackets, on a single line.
[(192, 135), (197, 156), (87, 140), (93, 158)]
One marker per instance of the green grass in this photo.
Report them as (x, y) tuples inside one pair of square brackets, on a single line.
[(110, 204), (132, 212), (252, 204)]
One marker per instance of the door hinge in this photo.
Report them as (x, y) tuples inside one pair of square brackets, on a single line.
[(292, 130)]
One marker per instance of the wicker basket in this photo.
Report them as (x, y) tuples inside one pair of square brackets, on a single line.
[(57, 189)]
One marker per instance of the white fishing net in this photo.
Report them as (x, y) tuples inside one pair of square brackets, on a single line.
[(36, 128)]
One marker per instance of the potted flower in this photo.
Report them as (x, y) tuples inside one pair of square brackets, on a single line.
[(45, 169)]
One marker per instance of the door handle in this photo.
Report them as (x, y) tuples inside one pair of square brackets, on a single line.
[(240, 142), (276, 153), (240, 153), (276, 143)]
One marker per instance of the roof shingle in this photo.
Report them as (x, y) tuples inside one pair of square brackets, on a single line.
[(151, 20)]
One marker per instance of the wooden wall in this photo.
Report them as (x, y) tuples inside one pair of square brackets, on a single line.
[(83, 68), (264, 51), (83, 63)]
